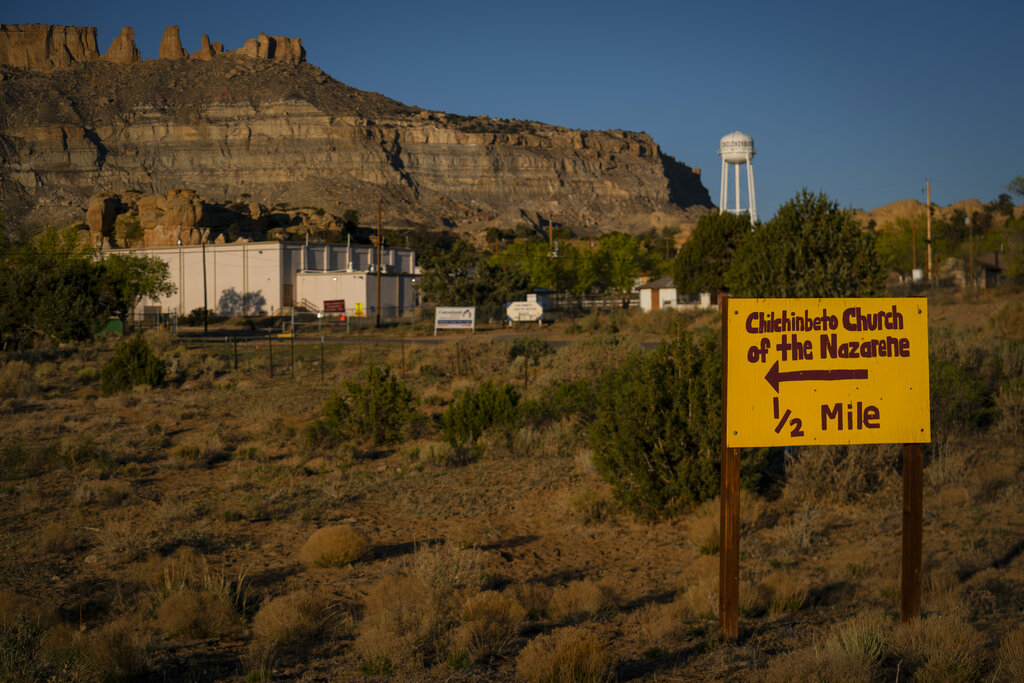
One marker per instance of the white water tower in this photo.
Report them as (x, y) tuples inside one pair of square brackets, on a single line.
[(737, 149)]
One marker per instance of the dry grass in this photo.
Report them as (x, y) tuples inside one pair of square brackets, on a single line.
[(119, 650), (940, 648), (591, 507), (446, 567), (1011, 655), (17, 380), (407, 616), (403, 624), (291, 620), (334, 546), (787, 591), (702, 528), (196, 614), (108, 492), (663, 625), (838, 474), (569, 655), (57, 538), (534, 597), (581, 600), (851, 650), (490, 625), (125, 536)]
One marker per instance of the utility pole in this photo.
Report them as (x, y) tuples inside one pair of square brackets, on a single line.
[(928, 216), (970, 243), (380, 244), (206, 308)]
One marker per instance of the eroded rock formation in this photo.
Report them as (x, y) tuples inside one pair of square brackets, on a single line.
[(279, 48), (123, 50), (208, 50), (170, 44), (41, 47)]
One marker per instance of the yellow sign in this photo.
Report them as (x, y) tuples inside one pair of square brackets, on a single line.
[(359, 310), (806, 372)]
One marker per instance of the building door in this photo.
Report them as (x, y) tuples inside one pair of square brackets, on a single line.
[(655, 299), (287, 297)]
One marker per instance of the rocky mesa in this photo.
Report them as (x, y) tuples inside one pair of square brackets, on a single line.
[(261, 124)]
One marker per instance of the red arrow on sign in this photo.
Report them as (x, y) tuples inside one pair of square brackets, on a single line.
[(774, 377)]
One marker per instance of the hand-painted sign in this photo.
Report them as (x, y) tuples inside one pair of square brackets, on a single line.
[(827, 371), (524, 311)]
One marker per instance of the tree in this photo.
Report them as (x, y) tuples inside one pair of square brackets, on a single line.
[(705, 258), (378, 409), (350, 219), (619, 254), (53, 285), (1016, 186), (128, 230), (126, 279), (895, 244), (811, 248), (656, 434), (448, 275)]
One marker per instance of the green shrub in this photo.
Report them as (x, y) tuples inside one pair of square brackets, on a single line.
[(961, 399), (656, 435), (133, 363), (476, 410), (379, 409), (195, 317), (561, 400), (530, 348)]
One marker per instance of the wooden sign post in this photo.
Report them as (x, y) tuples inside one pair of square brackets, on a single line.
[(815, 372), (729, 519)]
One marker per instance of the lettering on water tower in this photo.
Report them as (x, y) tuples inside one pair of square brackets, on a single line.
[(827, 371)]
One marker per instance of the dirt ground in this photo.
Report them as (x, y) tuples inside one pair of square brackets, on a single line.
[(112, 507)]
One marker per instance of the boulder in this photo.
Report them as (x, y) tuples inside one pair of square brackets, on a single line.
[(170, 44), (123, 50), (183, 208)]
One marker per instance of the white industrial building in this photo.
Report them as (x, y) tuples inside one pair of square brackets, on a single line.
[(662, 293), (264, 278)]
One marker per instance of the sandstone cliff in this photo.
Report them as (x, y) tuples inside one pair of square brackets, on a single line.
[(277, 131), (40, 47)]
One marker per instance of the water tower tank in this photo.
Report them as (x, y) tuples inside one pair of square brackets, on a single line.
[(736, 148)]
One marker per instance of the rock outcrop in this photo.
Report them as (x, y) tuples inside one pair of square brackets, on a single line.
[(170, 45), (279, 48), (278, 132), (100, 216), (123, 50), (208, 50), (43, 48)]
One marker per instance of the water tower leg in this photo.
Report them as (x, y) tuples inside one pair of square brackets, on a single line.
[(750, 190), (737, 189), (724, 194)]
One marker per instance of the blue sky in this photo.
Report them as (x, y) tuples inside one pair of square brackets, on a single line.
[(862, 100)]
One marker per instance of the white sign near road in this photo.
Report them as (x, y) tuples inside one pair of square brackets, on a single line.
[(454, 318), (524, 311)]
